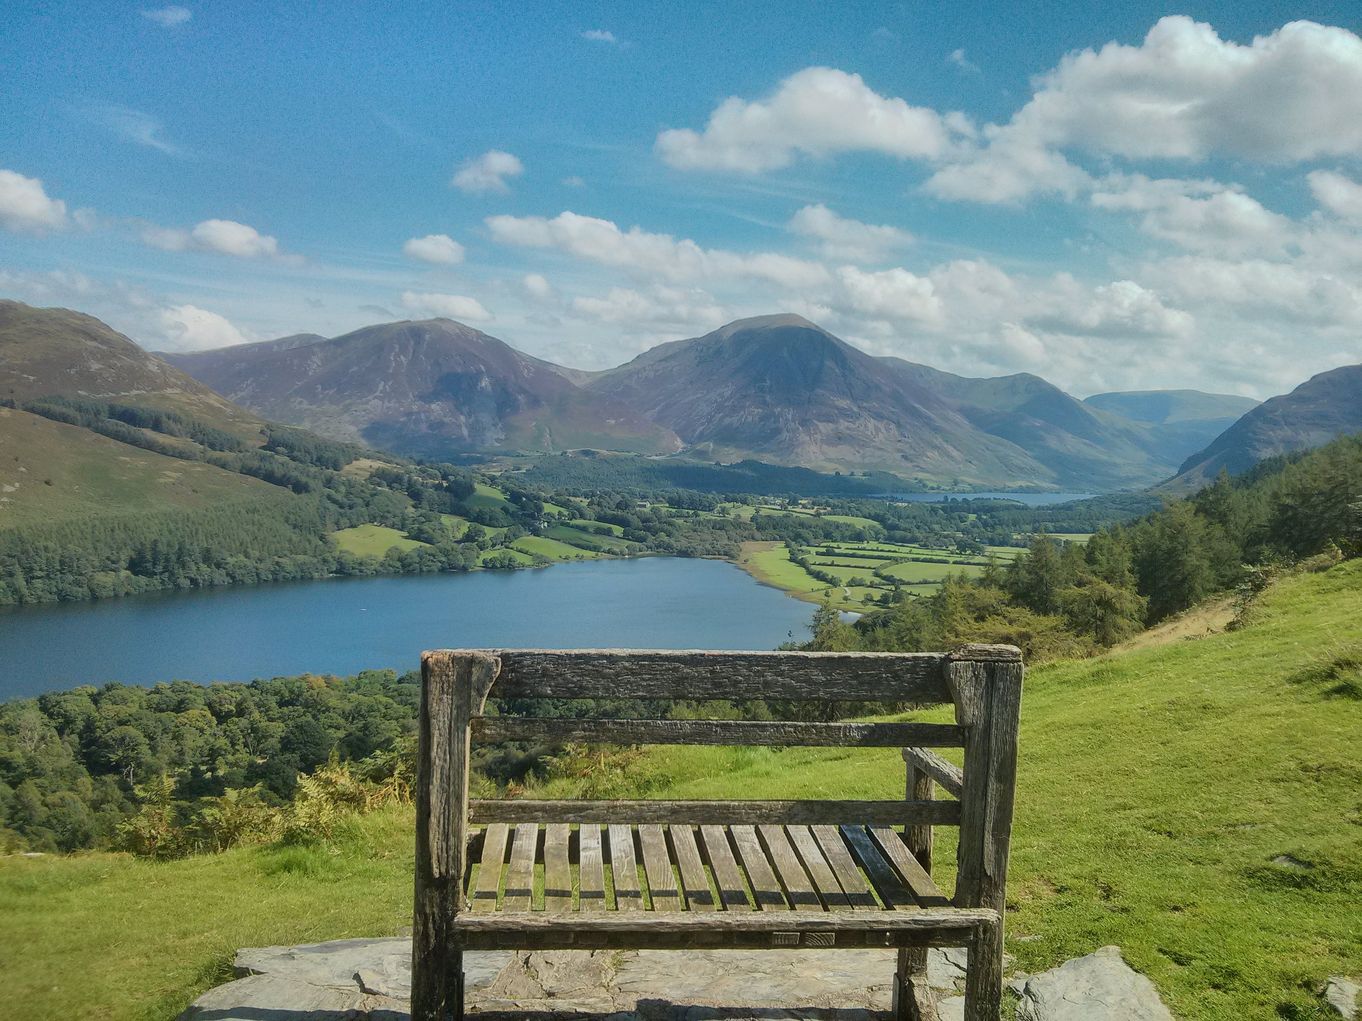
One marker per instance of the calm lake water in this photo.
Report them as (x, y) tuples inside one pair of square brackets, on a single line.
[(340, 626), (1029, 499)]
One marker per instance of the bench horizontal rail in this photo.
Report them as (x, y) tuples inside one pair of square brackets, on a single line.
[(719, 732), (653, 674), (722, 930), (950, 776), (706, 813)]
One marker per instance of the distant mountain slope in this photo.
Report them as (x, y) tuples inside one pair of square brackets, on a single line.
[(780, 389), (1324, 406), (1084, 447), (1175, 422), (48, 352), (426, 388)]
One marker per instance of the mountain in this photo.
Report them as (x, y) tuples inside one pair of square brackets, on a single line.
[(782, 390), (424, 388), (54, 351), (1176, 422), (1324, 406)]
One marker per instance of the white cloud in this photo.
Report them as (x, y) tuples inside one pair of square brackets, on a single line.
[(1007, 170), (574, 182), (958, 59), (687, 310), (451, 306), (25, 205), (1121, 310), (893, 294), (225, 237), (1341, 195), (844, 238), (1198, 215), (537, 286), (600, 35), (648, 254), (815, 112), (487, 173), (168, 17), (190, 328), (440, 249)]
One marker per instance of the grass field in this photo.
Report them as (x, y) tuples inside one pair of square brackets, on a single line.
[(553, 549), (486, 496), (1198, 803), (372, 540)]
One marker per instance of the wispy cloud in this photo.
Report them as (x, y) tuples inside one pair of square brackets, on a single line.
[(958, 59), (600, 35), (134, 126), (487, 172), (168, 17)]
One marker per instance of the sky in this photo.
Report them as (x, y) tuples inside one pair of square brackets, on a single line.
[(1112, 196)]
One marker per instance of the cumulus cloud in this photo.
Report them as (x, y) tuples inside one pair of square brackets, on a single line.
[(814, 112), (642, 252), (225, 237), (168, 17), (190, 328), (657, 306), (893, 294), (840, 237), (537, 286), (439, 249), (1199, 215), (1341, 195), (487, 173), (600, 35), (1122, 309), (451, 306), (26, 207)]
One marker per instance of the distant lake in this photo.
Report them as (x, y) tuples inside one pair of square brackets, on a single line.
[(1029, 499), (340, 626)]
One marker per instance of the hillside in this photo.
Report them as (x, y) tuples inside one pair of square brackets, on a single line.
[(1157, 791), (1174, 421), (429, 388), (782, 390), (55, 351), (1324, 406)]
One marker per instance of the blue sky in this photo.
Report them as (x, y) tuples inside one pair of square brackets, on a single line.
[(1111, 196)]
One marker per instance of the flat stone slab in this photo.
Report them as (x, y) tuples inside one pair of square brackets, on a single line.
[(1099, 987), (370, 980), (1341, 994)]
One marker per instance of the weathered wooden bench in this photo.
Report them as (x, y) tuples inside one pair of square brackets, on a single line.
[(716, 874)]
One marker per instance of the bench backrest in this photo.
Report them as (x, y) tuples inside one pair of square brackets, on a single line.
[(982, 682)]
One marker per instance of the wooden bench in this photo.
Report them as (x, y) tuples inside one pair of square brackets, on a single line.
[(716, 874)]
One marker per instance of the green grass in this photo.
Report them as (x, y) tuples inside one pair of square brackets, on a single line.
[(914, 573), (1155, 790), (486, 496), (373, 540), (519, 556), (588, 541), (586, 525), (553, 549)]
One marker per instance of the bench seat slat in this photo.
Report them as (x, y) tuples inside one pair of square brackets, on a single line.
[(882, 876), (489, 868), (819, 870), (761, 877), (557, 871), (657, 868), (732, 891), (624, 868), (910, 870), (799, 890), (520, 872), (699, 895), (844, 866), (591, 868)]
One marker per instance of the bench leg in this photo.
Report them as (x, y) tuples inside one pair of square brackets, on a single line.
[(456, 985), (984, 976), (912, 996)]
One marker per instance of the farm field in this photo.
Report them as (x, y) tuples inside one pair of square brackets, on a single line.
[(373, 540), (857, 576)]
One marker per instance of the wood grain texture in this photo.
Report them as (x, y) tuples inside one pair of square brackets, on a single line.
[(557, 870), (657, 869), (699, 813), (591, 868), (718, 732), (888, 885), (816, 863), (699, 895), (624, 868), (950, 776), (761, 877), (799, 888), (630, 673), (925, 891), (453, 690), (520, 871), (489, 867), (727, 876), (844, 867)]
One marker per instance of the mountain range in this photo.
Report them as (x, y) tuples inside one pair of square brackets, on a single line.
[(774, 388)]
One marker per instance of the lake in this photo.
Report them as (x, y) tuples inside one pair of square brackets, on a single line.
[(1029, 499), (339, 626)]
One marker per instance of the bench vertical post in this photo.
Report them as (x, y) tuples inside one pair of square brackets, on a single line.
[(910, 977), (453, 690), (986, 682)]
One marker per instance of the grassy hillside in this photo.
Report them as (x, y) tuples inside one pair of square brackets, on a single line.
[(1198, 803), (52, 470)]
